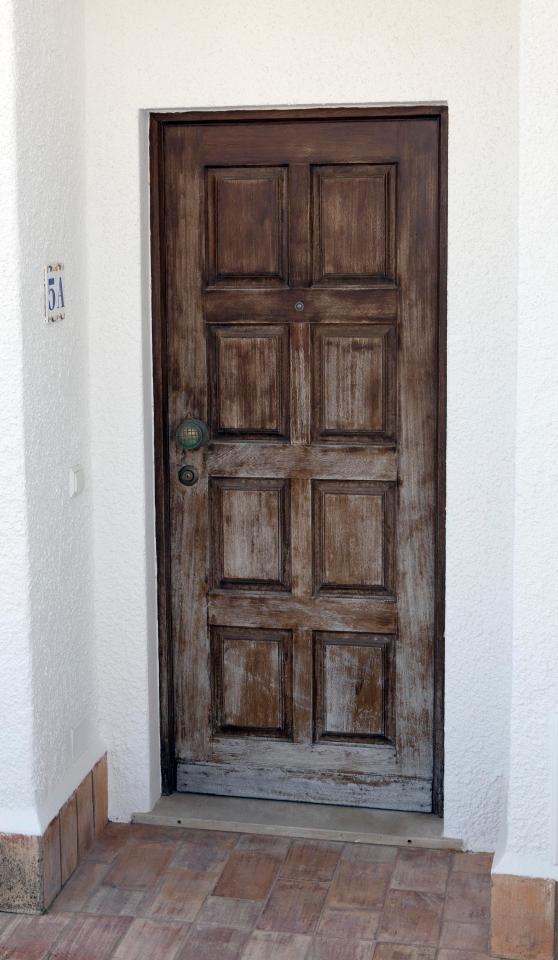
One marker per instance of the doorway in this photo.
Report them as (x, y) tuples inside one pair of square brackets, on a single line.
[(298, 267)]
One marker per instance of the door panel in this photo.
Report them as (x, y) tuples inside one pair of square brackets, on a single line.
[(301, 299), (353, 216), (242, 705), (247, 223), (250, 537), (249, 381)]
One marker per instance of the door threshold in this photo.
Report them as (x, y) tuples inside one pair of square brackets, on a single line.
[(314, 821)]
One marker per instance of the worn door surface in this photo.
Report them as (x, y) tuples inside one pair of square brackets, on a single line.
[(299, 304)]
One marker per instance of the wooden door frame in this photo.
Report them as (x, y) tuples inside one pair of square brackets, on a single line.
[(158, 122)]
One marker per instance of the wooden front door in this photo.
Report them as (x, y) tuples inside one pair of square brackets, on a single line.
[(296, 293)]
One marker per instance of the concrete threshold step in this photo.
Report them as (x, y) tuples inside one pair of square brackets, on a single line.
[(313, 821)]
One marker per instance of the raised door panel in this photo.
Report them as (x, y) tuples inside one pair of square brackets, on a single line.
[(353, 683), (354, 383), (249, 382), (353, 532), (250, 534), (353, 224), (247, 226), (252, 682)]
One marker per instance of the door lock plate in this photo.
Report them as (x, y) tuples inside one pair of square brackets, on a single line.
[(188, 475)]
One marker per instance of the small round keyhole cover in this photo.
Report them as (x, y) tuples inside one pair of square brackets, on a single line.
[(191, 434), (188, 475)]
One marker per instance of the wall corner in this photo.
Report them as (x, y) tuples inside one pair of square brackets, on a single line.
[(33, 869)]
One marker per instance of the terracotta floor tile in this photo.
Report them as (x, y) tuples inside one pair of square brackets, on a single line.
[(412, 917), (214, 943), (369, 853), (227, 912), (462, 955), (90, 938), (151, 940), (523, 917), (403, 951), (307, 860), (349, 924), (424, 870), (114, 901), (81, 885), (108, 845), (472, 862), (139, 866), (220, 838), (340, 950), (153, 833), (277, 946), (179, 896), (247, 876), (204, 851), (468, 898), (272, 846), (294, 906), (169, 893), (30, 938), (464, 936), (359, 885)]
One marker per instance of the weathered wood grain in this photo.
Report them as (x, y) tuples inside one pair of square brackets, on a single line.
[(265, 460), (331, 306), (187, 396), (349, 757), (335, 613), (248, 381), (354, 383), (247, 224), (354, 237), (300, 299), (390, 793), (252, 681)]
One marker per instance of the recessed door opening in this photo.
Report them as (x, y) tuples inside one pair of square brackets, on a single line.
[(298, 266)]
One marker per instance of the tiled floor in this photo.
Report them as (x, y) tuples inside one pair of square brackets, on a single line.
[(163, 893)]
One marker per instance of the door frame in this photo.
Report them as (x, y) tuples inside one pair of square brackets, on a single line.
[(157, 123)]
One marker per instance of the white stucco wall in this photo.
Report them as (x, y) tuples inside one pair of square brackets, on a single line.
[(177, 54), (16, 710), (77, 577), (532, 808), (47, 660)]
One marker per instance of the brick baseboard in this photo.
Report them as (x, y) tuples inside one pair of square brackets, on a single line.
[(523, 918), (33, 870)]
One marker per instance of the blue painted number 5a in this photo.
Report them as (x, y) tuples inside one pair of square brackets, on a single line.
[(54, 292)]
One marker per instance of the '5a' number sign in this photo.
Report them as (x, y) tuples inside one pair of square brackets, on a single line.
[(54, 292)]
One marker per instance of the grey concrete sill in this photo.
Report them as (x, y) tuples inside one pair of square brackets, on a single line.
[(310, 820)]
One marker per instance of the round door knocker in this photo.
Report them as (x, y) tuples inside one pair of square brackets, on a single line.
[(191, 434), (188, 475)]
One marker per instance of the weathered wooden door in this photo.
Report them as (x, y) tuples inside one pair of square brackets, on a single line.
[(297, 302)]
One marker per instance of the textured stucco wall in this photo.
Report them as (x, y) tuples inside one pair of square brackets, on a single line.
[(16, 717), (73, 176), (47, 664), (532, 810), (177, 54)]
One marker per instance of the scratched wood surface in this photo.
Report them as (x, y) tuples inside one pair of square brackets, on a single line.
[(301, 297)]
